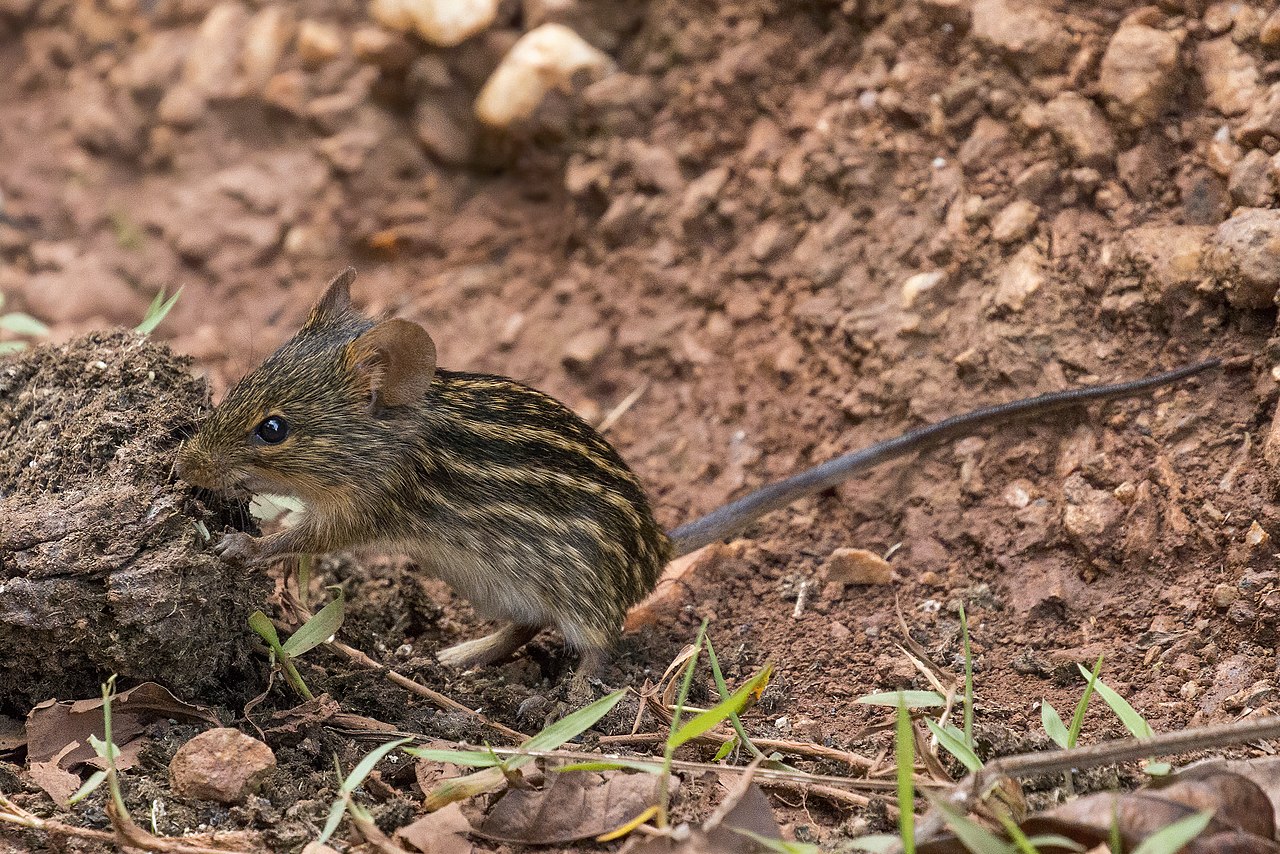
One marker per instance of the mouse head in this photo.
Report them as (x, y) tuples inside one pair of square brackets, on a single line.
[(305, 421)]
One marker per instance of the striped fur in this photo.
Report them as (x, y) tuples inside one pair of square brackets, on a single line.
[(499, 489)]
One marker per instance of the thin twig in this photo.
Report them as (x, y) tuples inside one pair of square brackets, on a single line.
[(969, 790), (621, 409), (357, 657), (799, 748)]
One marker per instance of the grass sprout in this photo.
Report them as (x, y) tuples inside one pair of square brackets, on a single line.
[(320, 628), (157, 311)]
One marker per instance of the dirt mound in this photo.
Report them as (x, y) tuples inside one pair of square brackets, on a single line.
[(103, 571)]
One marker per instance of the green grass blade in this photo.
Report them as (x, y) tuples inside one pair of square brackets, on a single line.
[(704, 722), (968, 678), (726, 748), (469, 758), (952, 740), (972, 835), (875, 843), (357, 775), (912, 699), (723, 688), (1170, 839), (573, 725), (904, 748), (781, 846), (12, 347), (21, 323), (1134, 722), (335, 816), (157, 311), (95, 780), (1047, 840), (262, 624), (1053, 725), (1077, 719), (315, 631)]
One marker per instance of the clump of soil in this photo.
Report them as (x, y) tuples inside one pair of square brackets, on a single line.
[(101, 553)]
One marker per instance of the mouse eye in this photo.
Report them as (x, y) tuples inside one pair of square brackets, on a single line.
[(272, 431)]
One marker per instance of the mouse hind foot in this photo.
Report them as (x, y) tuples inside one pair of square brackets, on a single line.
[(489, 649)]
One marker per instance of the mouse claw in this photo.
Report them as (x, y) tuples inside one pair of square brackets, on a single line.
[(237, 547)]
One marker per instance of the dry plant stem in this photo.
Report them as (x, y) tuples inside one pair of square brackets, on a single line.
[(11, 813), (970, 789), (374, 835), (357, 657), (799, 748), (764, 776)]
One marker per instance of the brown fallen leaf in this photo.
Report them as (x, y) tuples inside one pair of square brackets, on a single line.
[(441, 832), (746, 808), (572, 805), (58, 732), (59, 784), (311, 713)]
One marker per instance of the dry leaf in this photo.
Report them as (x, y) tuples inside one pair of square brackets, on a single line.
[(572, 805), (441, 832), (59, 784), (53, 726)]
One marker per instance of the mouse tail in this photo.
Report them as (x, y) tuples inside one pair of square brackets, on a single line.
[(733, 517)]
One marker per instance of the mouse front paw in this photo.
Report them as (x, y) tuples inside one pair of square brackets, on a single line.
[(238, 547)]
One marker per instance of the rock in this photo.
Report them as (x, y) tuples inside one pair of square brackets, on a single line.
[(1020, 278), (1263, 118), (654, 166), (1251, 184), (1138, 73), (444, 126), (987, 140), (1014, 222), (701, 192), (265, 38), (214, 59), (287, 91), (1229, 74), (1224, 595), (1256, 536), (857, 566), (1024, 30), (1168, 257), (919, 284), (376, 46), (152, 69), (542, 59), (1091, 518), (348, 150), (1142, 168), (1082, 128), (318, 43), (1037, 180), (444, 23), (1245, 257), (587, 346), (106, 121), (222, 765), (182, 107)]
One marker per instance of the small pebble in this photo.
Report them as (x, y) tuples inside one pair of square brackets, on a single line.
[(857, 566), (222, 765), (1224, 595), (1256, 535)]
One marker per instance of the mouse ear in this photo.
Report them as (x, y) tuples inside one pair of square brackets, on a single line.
[(397, 359), (336, 300)]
